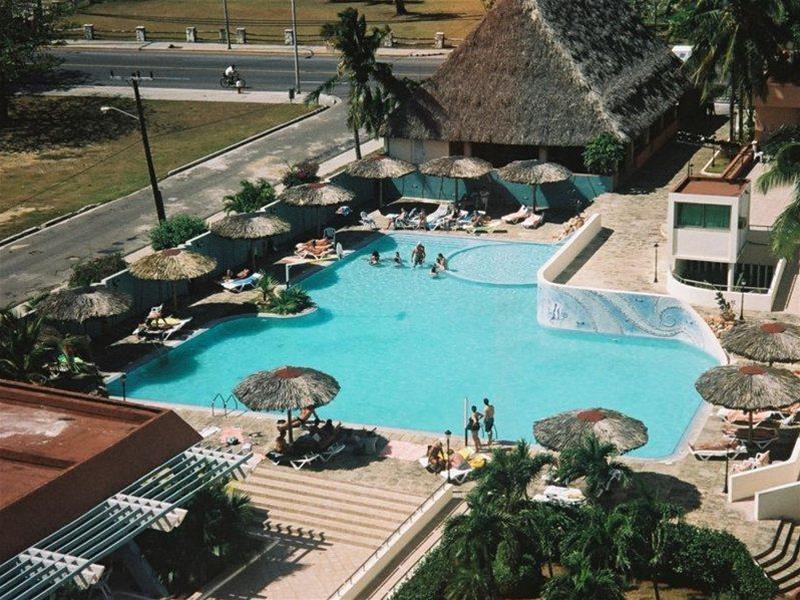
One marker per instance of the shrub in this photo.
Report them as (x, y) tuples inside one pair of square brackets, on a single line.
[(289, 301), (604, 154), (93, 271), (213, 537), (714, 561), (176, 230), (429, 580), (250, 198), (302, 172)]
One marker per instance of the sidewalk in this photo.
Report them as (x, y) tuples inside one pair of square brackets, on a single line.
[(189, 95), (217, 48)]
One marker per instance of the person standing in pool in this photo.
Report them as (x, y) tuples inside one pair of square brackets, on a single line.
[(488, 420), (474, 426), (375, 259), (418, 255), (398, 261)]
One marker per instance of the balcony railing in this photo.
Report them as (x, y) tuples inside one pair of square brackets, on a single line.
[(707, 285)]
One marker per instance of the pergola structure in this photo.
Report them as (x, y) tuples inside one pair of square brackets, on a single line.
[(153, 501)]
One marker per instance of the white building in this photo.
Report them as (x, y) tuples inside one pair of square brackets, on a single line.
[(712, 246)]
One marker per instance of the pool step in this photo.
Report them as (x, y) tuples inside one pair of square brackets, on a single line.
[(314, 508)]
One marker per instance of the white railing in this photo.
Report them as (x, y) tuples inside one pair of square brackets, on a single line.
[(387, 545)]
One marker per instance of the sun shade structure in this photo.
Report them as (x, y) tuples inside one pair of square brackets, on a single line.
[(768, 342), (251, 227), (546, 73), (173, 264), (749, 388), (154, 501), (456, 167), (568, 428), (316, 194), (379, 168), (286, 388), (78, 305), (534, 173)]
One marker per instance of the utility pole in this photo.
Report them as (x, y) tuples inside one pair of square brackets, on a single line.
[(151, 171), (227, 24), (294, 43)]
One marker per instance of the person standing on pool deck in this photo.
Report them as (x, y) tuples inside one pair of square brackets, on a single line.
[(488, 419), (474, 425)]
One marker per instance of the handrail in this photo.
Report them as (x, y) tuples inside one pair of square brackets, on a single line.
[(224, 402), (710, 286), (389, 541)]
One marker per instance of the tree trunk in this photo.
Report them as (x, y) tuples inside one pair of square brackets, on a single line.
[(4, 105), (740, 116), (731, 109), (656, 593), (357, 140), (400, 7)]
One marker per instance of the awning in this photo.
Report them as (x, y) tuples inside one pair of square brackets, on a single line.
[(154, 501)]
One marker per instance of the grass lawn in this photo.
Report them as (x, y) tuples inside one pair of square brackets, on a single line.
[(265, 21), (62, 153)]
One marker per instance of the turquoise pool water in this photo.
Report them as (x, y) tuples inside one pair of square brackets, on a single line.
[(407, 349)]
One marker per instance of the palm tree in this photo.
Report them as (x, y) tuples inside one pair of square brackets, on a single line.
[(26, 352), (605, 539), (583, 582), (784, 169), (592, 459), (549, 523), (733, 40), (250, 198), (507, 476), (468, 584), (373, 88)]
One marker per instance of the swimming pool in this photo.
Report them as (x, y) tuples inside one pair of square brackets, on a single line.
[(408, 349)]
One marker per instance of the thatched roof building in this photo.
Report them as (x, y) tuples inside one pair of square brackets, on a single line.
[(539, 74)]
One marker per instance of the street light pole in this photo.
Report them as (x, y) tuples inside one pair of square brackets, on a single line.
[(294, 43), (655, 263), (227, 23), (447, 435), (151, 171), (741, 300)]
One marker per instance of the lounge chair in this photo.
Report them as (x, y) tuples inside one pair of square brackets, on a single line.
[(458, 476), (760, 437), (741, 417), (759, 460), (332, 451), (170, 327), (239, 285), (315, 253), (561, 495), (368, 221), (717, 449), (297, 462), (517, 216), (439, 213), (533, 221)]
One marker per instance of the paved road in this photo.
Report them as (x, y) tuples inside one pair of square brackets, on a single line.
[(44, 259), (200, 70)]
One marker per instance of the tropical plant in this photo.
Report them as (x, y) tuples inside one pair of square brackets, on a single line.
[(26, 351), (176, 230), (92, 271), (212, 537), (604, 538), (288, 301), (373, 89), (583, 582), (507, 476), (267, 285), (250, 198), (592, 459), (784, 169), (604, 154), (299, 173), (732, 40)]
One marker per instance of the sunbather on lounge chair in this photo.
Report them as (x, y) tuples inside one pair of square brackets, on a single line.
[(718, 449), (761, 437), (239, 284), (759, 460), (367, 221), (517, 216), (162, 328), (303, 419), (435, 461), (740, 417)]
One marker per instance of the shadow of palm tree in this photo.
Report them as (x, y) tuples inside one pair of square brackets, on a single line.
[(666, 487)]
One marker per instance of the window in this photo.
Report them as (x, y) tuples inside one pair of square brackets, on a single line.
[(707, 216)]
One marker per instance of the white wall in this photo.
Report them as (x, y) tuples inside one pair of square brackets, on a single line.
[(748, 484), (779, 503)]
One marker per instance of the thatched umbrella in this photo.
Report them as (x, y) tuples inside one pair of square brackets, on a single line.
[(286, 388), (456, 167), (173, 264), (380, 167), (78, 305), (251, 227), (768, 342), (534, 173), (316, 196), (567, 428), (749, 388)]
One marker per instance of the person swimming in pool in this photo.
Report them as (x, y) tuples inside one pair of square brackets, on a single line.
[(375, 258), (418, 255), (441, 262), (398, 261), (434, 272)]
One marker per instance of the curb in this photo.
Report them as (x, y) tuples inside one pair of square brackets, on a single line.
[(246, 140), (31, 230)]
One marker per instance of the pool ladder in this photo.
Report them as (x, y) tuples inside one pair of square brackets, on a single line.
[(220, 400)]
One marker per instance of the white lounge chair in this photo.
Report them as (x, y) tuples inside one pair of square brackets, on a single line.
[(239, 285), (440, 212), (300, 462), (368, 221), (717, 449), (561, 495), (533, 221), (335, 449), (457, 475), (515, 217), (163, 334), (330, 233)]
